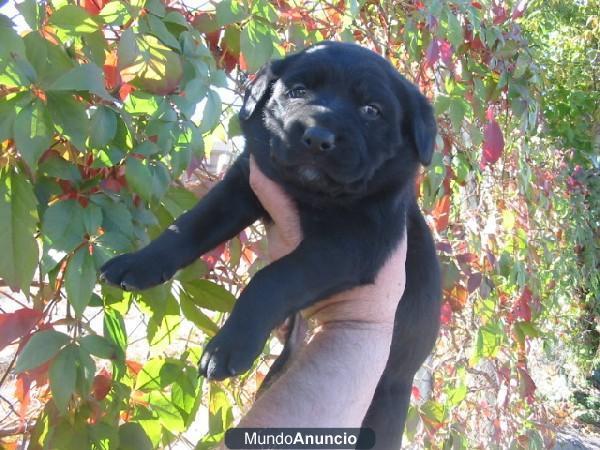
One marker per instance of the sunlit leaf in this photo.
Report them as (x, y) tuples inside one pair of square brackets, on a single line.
[(18, 223), (33, 132), (74, 19)]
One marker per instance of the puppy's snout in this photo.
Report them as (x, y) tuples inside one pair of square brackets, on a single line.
[(318, 139)]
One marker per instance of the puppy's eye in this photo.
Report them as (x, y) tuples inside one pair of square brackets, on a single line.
[(370, 111), (297, 91)]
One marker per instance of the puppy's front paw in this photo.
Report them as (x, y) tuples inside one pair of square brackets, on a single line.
[(230, 353), (136, 271)]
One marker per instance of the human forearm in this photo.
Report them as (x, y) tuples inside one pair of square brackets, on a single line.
[(332, 381)]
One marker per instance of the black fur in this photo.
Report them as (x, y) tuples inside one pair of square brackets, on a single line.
[(311, 121)]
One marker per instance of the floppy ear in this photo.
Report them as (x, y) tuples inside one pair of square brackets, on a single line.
[(424, 128), (419, 121), (259, 89)]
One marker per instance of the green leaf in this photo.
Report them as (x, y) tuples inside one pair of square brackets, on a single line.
[(489, 340), (434, 411), (50, 61), (92, 218), (159, 29), (156, 7), (168, 414), (12, 43), (455, 31), (32, 11), (211, 113), (457, 394), (147, 148), (157, 69), (229, 11), (176, 18), (457, 112), (74, 19), (209, 295), (80, 279), (18, 223), (219, 410), (33, 132), (7, 119), (133, 437), (160, 179), (178, 200), (42, 346), (99, 346), (70, 118), (85, 77), (16, 71), (158, 373), (128, 49), (103, 126), (63, 375), (139, 178), (192, 313), (256, 43), (86, 369), (115, 13), (95, 47), (63, 225), (114, 328)]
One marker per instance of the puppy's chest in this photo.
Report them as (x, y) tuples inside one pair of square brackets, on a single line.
[(360, 221)]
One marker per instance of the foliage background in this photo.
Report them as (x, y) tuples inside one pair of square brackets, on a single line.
[(110, 113)]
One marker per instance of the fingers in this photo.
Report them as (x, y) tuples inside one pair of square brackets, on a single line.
[(278, 204)]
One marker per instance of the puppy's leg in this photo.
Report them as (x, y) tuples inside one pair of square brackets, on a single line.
[(226, 210), (317, 269), (387, 414), (295, 340), (415, 332)]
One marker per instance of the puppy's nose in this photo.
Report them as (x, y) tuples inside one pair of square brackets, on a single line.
[(318, 139)]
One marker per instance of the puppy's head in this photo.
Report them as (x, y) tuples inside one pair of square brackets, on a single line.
[(338, 122)]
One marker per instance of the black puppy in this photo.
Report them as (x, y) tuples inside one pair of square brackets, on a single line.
[(344, 134)]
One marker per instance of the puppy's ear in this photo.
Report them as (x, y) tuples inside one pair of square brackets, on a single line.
[(259, 89), (419, 121)]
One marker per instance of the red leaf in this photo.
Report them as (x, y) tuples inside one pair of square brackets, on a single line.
[(125, 90), (433, 53), (111, 184), (467, 258), (446, 313), (134, 366), (243, 63), (416, 393), (17, 324), (456, 297), (441, 213), (493, 143), (94, 6), (474, 282), (500, 14), (446, 52), (22, 387), (102, 384), (211, 258), (519, 9), (112, 77), (522, 309), (527, 386)]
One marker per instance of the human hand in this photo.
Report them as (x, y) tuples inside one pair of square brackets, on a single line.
[(372, 304)]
